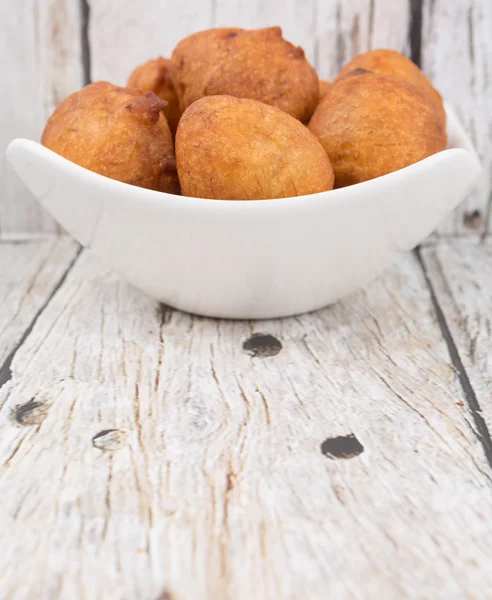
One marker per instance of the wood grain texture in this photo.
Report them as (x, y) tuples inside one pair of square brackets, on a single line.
[(457, 56), (30, 271), (345, 29), (127, 34), (40, 64), (157, 30), (461, 273), (150, 454), (330, 32)]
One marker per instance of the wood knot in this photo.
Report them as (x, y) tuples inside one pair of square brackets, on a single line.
[(30, 413), (262, 345), (109, 440), (344, 446), (473, 219)]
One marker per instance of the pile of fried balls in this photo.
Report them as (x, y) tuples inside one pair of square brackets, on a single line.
[(239, 114)]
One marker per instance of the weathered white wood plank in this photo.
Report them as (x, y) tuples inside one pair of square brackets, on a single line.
[(40, 64), (345, 29), (29, 272), (461, 274), (157, 30), (330, 32), (457, 56), (146, 453), (126, 34)]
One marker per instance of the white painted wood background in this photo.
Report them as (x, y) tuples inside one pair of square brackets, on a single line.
[(49, 48)]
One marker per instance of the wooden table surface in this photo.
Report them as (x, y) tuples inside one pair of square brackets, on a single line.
[(149, 454), (146, 454)]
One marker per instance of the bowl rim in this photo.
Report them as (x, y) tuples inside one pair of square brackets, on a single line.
[(462, 145)]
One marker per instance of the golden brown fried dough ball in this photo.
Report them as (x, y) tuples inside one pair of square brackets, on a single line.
[(154, 76), (371, 125), (238, 149), (390, 62), (324, 88), (117, 132), (256, 64)]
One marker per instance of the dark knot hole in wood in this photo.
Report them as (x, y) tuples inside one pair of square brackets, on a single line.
[(473, 219), (262, 345), (30, 413), (109, 440), (344, 446)]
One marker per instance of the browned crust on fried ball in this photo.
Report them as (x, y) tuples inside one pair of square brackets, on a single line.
[(256, 64), (155, 76), (371, 125), (391, 62), (240, 149), (117, 132)]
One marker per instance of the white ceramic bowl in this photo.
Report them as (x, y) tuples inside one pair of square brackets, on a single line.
[(263, 259)]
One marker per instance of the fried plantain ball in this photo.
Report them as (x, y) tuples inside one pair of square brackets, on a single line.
[(324, 88), (257, 64), (117, 132), (371, 125), (390, 62), (239, 149), (155, 76)]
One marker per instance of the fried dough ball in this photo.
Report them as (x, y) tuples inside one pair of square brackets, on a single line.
[(154, 76), (117, 132), (239, 149), (324, 88), (390, 62), (371, 125), (257, 64)]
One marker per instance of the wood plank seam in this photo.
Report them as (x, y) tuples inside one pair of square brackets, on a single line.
[(85, 11), (5, 369), (415, 31), (481, 431)]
